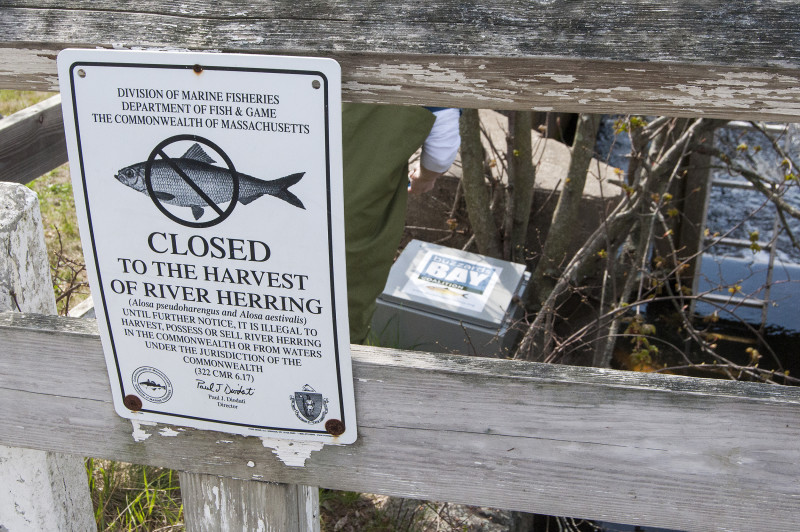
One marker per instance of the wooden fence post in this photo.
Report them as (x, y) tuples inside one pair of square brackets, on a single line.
[(38, 490), (218, 503)]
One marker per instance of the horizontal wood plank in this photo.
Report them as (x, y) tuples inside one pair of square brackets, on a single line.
[(733, 32), (736, 59), (32, 142), (643, 449)]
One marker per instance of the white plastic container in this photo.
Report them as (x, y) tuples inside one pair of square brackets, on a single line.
[(449, 301)]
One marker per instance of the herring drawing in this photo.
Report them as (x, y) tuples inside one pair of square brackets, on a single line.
[(169, 186), (154, 385)]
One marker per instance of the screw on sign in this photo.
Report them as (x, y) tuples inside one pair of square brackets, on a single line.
[(195, 180), (334, 427), (132, 402)]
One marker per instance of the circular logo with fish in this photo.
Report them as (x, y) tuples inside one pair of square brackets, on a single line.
[(152, 384), (193, 188)]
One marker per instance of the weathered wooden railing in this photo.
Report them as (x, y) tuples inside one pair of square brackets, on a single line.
[(635, 448), (669, 58)]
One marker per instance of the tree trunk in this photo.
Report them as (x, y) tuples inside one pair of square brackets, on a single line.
[(521, 179), (486, 234), (562, 228)]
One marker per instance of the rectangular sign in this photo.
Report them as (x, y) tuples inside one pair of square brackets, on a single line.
[(454, 282), (209, 197)]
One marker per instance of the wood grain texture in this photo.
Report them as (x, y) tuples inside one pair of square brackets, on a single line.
[(721, 59), (32, 142), (217, 503), (635, 448), (732, 32)]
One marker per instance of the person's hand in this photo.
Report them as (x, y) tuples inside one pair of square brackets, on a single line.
[(421, 180)]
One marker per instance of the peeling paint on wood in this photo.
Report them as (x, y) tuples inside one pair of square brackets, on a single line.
[(215, 503), (25, 283), (168, 432), (139, 434), (43, 491), (291, 453), (734, 60)]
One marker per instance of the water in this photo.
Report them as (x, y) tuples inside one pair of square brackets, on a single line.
[(749, 275), (743, 211), (733, 212), (741, 214), (612, 148)]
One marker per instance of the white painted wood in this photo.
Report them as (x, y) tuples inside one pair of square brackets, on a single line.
[(84, 309), (737, 59), (25, 283), (39, 490), (217, 503), (32, 141), (660, 450), (42, 490)]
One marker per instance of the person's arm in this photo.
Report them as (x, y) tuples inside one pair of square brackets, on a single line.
[(438, 152), (421, 180)]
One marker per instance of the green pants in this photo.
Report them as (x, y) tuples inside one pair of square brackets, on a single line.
[(377, 142)]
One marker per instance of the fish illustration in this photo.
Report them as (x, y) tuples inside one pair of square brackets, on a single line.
[(214, 181), (154, 385)]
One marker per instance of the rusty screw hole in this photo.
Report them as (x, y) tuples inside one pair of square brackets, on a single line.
[(132, 402), (334, 427), (81, 73), (315, 84), (197, 69)]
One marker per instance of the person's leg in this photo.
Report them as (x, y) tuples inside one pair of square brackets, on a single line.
[(377, 143)]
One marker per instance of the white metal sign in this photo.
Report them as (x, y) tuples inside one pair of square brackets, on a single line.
[(208, 189)]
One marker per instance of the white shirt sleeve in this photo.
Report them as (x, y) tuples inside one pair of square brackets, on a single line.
[(441, 147)]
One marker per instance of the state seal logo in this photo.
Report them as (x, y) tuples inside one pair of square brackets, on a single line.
[(308, 405), (152, 384)]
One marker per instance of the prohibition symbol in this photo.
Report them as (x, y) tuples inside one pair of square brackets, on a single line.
[(192, 180)]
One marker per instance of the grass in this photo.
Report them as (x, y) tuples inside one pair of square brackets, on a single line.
[(134, 497), (13, 101)]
